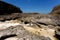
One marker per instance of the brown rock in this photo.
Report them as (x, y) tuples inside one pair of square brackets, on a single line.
[(56, 8), (56, 12)]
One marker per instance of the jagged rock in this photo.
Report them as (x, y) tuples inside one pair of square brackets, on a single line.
[(21, 33), (6, 8), (32, 27), (41, 19)]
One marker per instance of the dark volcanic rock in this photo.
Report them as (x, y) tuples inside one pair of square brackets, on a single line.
[(6, 8)]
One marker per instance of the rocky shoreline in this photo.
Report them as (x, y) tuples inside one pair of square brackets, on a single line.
[(16, 25), (33, 27)]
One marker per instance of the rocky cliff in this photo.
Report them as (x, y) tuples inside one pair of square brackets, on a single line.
[(6, 8), (56, 8), (56, 12)]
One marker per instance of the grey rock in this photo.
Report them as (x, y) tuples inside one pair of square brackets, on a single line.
[(21, 33)]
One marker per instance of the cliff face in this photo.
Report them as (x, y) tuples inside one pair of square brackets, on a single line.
[(56, 11), (56, 8), (6, 8)]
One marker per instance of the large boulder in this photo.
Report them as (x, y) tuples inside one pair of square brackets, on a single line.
[(6, 8)]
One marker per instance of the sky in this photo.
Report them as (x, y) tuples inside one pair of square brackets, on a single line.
[(40, 6)]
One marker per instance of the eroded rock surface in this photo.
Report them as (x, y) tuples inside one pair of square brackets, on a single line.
[(31, 27)]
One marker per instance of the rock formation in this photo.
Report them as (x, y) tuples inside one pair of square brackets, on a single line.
[(56, 11), (6, 8), (31, 27), (20, 26), (56, 8)]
